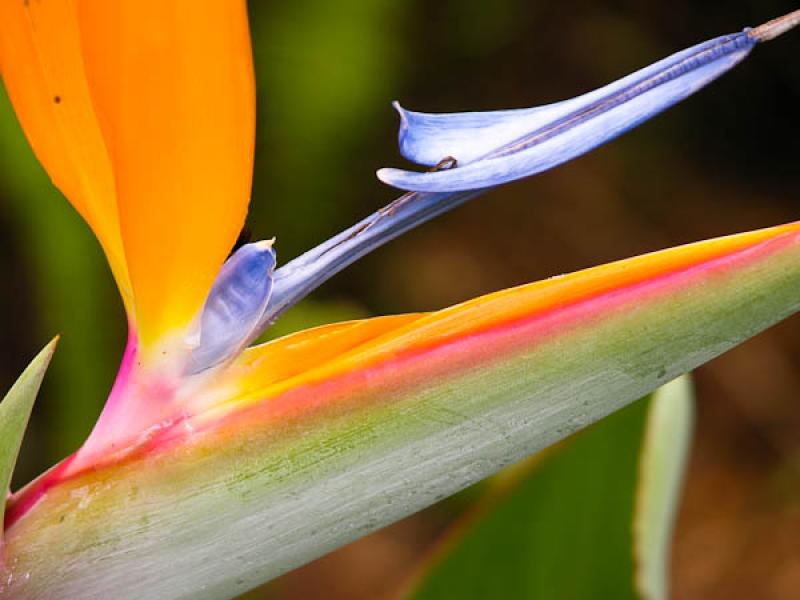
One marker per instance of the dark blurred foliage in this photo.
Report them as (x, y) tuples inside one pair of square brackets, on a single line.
[(722, 162)]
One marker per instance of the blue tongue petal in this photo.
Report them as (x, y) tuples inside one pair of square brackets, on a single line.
[(234, 306), (492, 148)]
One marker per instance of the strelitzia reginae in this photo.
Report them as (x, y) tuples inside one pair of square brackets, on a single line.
[(216, 466)]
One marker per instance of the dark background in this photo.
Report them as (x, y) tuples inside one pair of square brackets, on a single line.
[(722, 162)]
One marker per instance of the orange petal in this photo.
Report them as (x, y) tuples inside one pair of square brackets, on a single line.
[(173, 89), (43, 71), (295, 354)]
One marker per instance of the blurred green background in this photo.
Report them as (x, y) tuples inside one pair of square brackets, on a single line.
[(724, 161)]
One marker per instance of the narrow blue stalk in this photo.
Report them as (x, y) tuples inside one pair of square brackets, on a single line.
[(299, 277)]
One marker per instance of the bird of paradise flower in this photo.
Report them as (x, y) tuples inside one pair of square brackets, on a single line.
[(264, 457)]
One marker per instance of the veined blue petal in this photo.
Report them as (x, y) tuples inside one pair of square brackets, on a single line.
[(235, 305), (426, 138), (496, 147)]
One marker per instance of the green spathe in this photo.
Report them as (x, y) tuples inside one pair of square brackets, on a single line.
[(232, 508), (565, 524)]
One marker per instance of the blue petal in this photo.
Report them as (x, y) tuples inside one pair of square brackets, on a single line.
[(426, 138), (497, 147), (234, 306)]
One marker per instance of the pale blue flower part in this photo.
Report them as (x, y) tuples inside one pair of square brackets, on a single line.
[(238, 298), (492, 148)]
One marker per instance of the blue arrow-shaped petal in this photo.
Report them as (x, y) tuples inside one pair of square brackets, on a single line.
[(491, 148)]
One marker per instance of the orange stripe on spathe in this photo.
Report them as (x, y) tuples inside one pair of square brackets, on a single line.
[(493, 310), (383, 376)]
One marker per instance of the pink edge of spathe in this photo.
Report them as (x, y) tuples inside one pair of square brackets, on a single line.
[(115, 406), (142, 401), (120, 383), (413, 365)]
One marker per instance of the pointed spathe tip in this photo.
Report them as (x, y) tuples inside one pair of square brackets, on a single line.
[(776, 27)]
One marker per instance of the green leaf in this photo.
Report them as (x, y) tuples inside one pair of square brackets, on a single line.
[(562, 525), (15, 410), (661, 472)]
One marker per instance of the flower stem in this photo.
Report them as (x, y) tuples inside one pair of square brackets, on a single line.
[(776, 27)]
